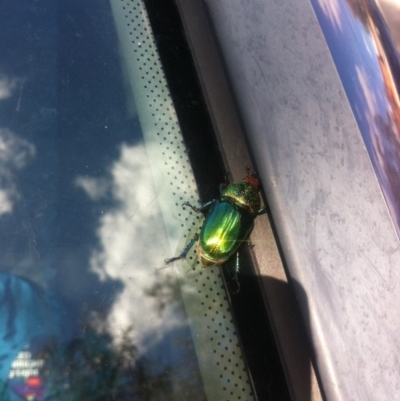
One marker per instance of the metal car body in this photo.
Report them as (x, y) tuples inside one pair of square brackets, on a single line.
[(316, 88)]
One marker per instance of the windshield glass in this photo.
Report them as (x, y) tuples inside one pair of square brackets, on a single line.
[(94, 171)]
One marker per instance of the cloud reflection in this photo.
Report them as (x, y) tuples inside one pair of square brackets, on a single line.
[(7, 86), (15, 153), (95, 188), (133, 244), (331, 9)]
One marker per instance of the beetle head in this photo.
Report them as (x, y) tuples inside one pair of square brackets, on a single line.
[(253, 180)]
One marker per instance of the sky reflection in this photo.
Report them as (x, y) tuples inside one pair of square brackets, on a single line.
[(80, 228)]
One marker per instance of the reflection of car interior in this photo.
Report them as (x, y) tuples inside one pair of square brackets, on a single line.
[(115, 113), (25, 377), (29, 322)]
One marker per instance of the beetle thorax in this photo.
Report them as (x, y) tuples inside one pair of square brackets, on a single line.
[(242, 194)]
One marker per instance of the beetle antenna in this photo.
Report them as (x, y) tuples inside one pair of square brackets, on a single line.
[(235, 275), (248, 174)]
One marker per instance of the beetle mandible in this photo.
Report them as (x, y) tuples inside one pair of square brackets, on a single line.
[(228, 223)]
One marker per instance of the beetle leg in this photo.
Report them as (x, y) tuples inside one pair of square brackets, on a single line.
[(201, 208), (250, 244), (248, 169), (184, 252), (235, 275), (262, 211)]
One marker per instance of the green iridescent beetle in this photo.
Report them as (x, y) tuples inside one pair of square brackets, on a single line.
[(228, 223)]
